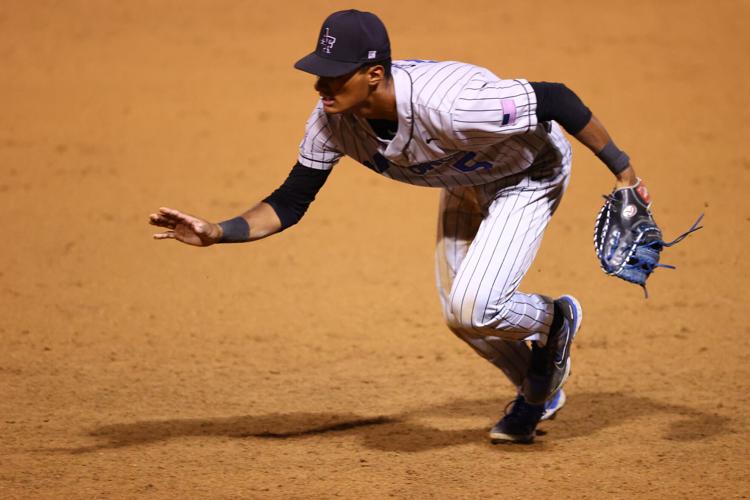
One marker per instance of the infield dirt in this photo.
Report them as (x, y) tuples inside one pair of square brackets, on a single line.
[(315, 364)]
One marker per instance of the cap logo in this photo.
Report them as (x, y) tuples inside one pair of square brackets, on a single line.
[(372, 54), (327, 42)]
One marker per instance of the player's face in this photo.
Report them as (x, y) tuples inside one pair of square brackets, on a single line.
[(347, 92)]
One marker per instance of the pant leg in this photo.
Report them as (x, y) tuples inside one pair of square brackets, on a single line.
[(459, 219), (488, 237)]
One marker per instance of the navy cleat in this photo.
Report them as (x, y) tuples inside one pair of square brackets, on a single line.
[(550, 365), (519, 424)]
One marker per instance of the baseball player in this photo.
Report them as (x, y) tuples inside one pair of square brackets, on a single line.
[(495, 149)]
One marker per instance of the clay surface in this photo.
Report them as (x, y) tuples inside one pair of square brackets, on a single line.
[(315, 364)]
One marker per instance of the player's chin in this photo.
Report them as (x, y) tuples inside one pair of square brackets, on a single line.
[(332, 107), (335, 106)]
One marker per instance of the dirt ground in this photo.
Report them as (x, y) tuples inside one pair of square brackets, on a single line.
[(315, 364)]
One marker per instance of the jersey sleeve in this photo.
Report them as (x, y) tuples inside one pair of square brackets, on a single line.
[(317, 149), (487, 111)]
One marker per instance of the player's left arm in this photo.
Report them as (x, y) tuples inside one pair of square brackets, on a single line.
[(627, 240), (557, 102)]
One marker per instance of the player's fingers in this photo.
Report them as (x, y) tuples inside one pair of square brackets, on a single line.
[(175, 215), (165, 235), (158, 220)]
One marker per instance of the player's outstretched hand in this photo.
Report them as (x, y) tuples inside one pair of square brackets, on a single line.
[(185, 228)]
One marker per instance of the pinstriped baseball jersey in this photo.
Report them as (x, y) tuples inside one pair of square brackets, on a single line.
[(458, 125)]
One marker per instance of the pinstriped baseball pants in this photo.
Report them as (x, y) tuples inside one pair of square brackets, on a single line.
[(487, 238)]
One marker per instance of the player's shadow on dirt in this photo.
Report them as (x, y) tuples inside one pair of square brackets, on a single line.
[(585, 414)]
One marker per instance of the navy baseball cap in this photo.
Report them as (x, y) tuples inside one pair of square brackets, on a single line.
[(348, 40)]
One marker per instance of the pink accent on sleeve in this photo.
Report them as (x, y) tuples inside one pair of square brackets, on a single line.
[(509, 110)]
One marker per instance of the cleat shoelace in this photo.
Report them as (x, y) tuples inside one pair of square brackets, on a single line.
[(519, 410)]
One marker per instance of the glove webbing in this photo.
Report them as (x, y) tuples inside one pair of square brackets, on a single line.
[(657, 245)]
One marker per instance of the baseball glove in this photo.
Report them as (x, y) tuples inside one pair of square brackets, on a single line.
[(626, 238)]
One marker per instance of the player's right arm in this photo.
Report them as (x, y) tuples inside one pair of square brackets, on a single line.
[(259, 221), (282, 209)]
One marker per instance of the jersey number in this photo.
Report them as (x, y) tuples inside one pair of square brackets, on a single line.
[(464, 165)]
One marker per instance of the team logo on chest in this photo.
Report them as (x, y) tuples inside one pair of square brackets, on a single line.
[(327, 41)]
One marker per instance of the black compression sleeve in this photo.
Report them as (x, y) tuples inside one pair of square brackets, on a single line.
[(291, 199), (555, 101)]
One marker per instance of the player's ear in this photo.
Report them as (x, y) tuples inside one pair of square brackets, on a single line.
[(375, 74)]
